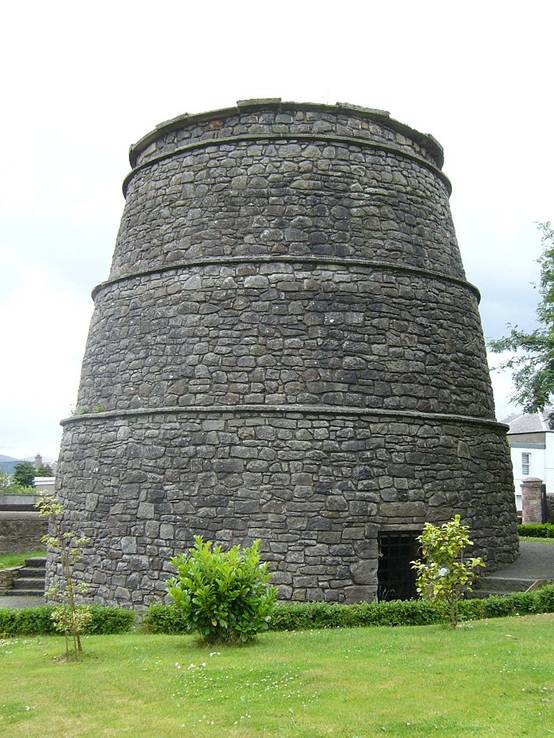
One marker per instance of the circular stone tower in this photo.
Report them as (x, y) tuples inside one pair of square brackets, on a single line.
[(286, 349)]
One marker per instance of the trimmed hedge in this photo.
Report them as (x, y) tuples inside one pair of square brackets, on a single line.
[(315, 615), (37, 621), (536, 530)]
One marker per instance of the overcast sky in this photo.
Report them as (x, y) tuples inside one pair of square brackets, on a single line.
[(80, 82)]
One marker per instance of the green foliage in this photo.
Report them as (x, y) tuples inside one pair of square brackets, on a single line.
[(40, 621), (8, 487), (106, 620), (24, 474), (165, 619), (536, 530), (443, 577), (532, 364), (66, 544), (222, 595), (317, 615)]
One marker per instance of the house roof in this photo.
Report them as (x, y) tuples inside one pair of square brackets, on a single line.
[(530, 422)]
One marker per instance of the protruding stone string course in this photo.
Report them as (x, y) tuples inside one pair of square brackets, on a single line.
[(299, 276)]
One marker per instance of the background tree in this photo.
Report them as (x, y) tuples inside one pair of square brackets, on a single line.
[(44, 470), (24, 474), (532, 364)]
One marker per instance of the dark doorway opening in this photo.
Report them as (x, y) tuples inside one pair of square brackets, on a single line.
[(395, 576)]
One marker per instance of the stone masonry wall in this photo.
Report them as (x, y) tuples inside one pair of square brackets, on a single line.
[(21, 531), (280, 332), (286, 349), (284, 197), (316, 489)]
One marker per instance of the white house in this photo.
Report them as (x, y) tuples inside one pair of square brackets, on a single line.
[(531, 442)]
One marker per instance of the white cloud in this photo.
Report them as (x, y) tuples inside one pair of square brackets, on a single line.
[(502, 386), (43, 338)]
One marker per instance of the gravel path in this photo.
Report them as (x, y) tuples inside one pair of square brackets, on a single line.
[(535, 561), (21, 601)]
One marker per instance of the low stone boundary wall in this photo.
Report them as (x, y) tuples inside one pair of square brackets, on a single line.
[(21, 531), (6, 578), (18, 502)]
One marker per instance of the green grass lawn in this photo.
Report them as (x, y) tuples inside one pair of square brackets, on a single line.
[(490, 679), (8, 560)]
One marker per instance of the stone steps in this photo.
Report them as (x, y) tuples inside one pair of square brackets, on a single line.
[(498, 585), (28, 580), (29, 583)]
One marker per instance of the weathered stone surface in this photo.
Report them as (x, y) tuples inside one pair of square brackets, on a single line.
[(287, 349)]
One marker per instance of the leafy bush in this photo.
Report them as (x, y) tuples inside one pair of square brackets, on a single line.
[(316, 615), (536, 530), (38, 621), (223, 595)]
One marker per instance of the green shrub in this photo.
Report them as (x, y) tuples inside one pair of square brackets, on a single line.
[(38, 621), (543, 599), (30, 621), (472, 609), (536, 530), (301, 616), (316, 615), (498, 606), (222, 595), (106, 620), (165, 619)]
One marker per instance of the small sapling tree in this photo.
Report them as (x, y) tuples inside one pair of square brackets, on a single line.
[(225, 596), (68, 618), (444, 576)]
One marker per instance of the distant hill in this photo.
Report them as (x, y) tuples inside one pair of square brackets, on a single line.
[(8, 463)]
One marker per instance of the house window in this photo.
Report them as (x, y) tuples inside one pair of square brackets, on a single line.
[(525, 464)]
